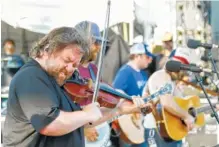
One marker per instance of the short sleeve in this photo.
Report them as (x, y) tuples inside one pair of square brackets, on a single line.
[(158, 80), (121, 80), (38, 102)]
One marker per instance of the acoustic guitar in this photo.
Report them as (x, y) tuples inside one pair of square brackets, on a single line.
[(171, 127), (104, 129), (132, 130)]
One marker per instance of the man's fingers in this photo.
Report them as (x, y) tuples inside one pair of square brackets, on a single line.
[(96, 133), (148, 105), (139, 102), (189, 127), (97, 104), (93, 138)]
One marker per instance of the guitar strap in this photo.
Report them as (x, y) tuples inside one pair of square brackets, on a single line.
[(148, 93)]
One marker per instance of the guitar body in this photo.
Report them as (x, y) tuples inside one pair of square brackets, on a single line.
[(171, 127), (131, 131), (103, 138)]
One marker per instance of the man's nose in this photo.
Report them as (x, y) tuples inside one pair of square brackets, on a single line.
[(70, 68)]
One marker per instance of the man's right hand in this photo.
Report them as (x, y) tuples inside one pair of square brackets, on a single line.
[(91, 134), (189, 121), (93, 111)]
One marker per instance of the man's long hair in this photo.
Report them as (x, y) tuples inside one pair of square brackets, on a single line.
[(58, 39)]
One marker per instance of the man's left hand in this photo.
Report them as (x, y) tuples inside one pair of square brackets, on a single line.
[(127, 107)]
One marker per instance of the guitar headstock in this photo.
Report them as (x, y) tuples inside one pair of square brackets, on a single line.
[(167, 88)]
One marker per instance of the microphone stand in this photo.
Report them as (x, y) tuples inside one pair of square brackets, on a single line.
[(213, 63), (199, 80), (214, 66)]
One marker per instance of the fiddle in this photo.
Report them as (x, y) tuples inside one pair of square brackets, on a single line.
[(82, 94), (81, 91)]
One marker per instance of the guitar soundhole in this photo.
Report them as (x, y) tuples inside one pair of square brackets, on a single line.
[(192, 112)]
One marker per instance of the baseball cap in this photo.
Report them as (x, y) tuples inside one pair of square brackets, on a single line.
[(182, 54), (167, 37), (92, 29), (141, 48)]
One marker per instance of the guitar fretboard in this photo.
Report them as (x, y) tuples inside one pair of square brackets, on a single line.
[(204, 108), (164, 90), (114, 118)]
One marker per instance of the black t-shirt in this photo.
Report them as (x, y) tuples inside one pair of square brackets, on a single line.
[(35, 100)]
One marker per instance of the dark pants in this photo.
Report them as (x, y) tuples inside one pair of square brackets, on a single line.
[(152, 139)]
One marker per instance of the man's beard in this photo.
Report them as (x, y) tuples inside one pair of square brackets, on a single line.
[(177, 76), (55, 72)]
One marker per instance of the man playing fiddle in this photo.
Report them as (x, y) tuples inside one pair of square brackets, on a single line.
[(39, 112)]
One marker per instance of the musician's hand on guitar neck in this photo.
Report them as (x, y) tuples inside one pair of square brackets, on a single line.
[(91, 134), (142, 107), (189, 121), (127, 107)]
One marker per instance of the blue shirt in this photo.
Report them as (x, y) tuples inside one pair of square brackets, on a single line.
[(13, 61), (130, 81)]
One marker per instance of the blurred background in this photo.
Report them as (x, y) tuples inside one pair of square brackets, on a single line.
[(157, 23)]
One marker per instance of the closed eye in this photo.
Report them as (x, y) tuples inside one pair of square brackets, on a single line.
[(75, 65), (67, 60)]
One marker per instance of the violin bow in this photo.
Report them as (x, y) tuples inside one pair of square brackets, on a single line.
[(102, 52)]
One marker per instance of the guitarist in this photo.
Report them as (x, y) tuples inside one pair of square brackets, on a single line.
[(158, 79), (131, 78)]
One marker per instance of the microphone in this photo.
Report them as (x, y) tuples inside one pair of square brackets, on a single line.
[(176, 66), (191, 43)]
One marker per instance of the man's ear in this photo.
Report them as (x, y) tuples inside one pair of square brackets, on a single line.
[(44, 54), (93, 46)]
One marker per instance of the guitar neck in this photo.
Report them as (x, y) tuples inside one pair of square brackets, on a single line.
[(114, 118), (152, 96), (204, 108), (164, 90), (146, 99)]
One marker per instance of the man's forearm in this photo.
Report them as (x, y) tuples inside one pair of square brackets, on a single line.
[(108, 114), (65, 123), (172, 107)]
